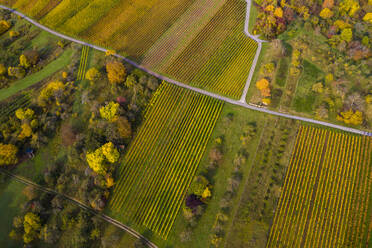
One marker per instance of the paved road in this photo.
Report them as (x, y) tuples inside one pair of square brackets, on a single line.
[(81, 205), (201, 91)]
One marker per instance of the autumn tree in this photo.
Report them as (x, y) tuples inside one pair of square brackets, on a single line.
[(351, 117), (347, 34), (124, 127), (110, 111), (30, 192), (92, 74), (110, 52), (29, 58), (264, 86), (99, 159), (13, 34), (23, 114), (2, 69), (199, 185), (18, 72), (368, 17), (23, 61), (4, 26), (25, 132), (349, 7), (326, 13), (8, 154), (116, 72), (32, 227), (49, 91)]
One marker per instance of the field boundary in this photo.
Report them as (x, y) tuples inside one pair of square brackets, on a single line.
[(204, 92)]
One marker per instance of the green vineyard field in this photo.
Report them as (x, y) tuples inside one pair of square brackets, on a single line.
[(326, 193), (163, 158), (198, 42)]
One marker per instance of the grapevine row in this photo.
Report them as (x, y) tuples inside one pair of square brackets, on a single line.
[(325, 196), (163, 158)]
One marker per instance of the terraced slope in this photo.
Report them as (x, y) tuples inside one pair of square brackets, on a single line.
[(163, 158), (326, 194)]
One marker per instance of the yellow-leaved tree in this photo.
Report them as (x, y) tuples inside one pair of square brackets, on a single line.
[(49, 91), (2, 69), (24, 113), (26, 131), (4, 26), (99, 159), (92, 74), (8, 154), (351, 117), (110, 111), (326, 13), (31, 226), (24, 62)]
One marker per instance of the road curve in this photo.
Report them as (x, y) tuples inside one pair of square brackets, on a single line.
[(201, 91), (81, 205)]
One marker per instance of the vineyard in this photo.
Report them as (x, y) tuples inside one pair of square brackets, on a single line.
[(8, 108), (83, 63), (325, 199), (163, 158), (227, 54), (198, 42)]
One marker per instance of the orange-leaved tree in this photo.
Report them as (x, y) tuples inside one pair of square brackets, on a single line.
[(116, 72)]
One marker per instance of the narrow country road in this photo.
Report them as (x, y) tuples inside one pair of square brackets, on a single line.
[(81, 205), (241, 102)]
